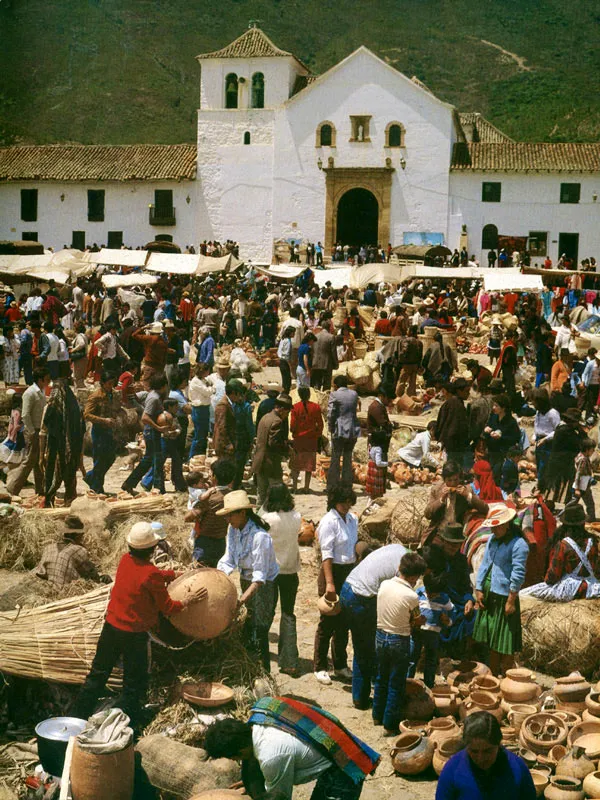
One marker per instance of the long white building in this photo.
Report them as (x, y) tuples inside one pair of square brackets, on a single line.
[(361, 154)]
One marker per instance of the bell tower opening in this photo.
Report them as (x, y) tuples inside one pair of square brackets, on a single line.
[(358, 218)]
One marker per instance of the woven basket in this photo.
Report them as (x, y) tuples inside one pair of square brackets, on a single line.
[(408, 522), (360, 348)]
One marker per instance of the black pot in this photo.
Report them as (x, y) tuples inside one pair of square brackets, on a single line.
[(52, 739)]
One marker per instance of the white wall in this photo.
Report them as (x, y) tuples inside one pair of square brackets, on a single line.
[(529, 202), (125, 209), (279, 73)]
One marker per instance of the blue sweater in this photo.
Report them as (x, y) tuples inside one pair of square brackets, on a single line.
[(507, 559), (508, 778)]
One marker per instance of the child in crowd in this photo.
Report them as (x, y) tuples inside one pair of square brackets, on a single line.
[(377, 472), (435, 606), (196, 483), (495, 339), (210, 530), (509, 481), (582, 485), (12, 449)]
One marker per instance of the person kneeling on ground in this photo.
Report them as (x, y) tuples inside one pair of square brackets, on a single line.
[(286, 743), (138, 595), (66, 561)]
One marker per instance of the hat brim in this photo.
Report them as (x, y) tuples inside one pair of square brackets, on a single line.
[(223, 512), (146, 545)]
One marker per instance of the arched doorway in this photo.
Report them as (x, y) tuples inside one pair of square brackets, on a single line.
[(357, 218)]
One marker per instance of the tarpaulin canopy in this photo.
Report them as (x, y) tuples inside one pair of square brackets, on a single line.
[(112, 281), (190, 264), (375, 273), (507, 280), (120, 258), (437, 273)]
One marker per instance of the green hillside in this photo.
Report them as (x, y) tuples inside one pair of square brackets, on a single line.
[(121, 71)]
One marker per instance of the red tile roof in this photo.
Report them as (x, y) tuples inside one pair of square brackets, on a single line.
[(253, 43), (481, 129), (127, 162), (526, 157)]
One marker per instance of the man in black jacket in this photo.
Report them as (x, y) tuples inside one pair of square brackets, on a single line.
[(453, 424)]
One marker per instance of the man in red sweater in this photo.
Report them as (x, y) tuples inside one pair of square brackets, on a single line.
[(138, 596)]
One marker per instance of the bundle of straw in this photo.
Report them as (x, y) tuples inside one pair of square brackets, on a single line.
[(143, 504), (56, 642)]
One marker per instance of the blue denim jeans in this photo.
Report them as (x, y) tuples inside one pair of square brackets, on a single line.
[(171, 448), (361, 614), (104, 452), (208, 550), (430, 642), (201, 421), (153, 458), (393, 659)]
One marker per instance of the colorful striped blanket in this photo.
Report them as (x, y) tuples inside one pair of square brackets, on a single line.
[(322, 730)]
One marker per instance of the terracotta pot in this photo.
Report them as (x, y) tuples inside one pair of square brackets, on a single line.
[(587, 716), (411, 754), (557, 752), (419, 702), (528, 756), (575, 764), (485, 683), (509, 735), (519, 686), (447, 700), (586, 735), (563, 788), (445, 751), (544, 769), (572, 688), (592, 702), (482, 701), (439, 730), (540, 781), (414, 726), (466, 671), (518, 713), (541, 732), (591, 784), (209, 618), (569, 717), (573, 708)]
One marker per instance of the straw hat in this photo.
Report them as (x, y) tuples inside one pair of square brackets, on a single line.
[(499, 516), (222, 365), (168, 323), (273, 387), (328, 608), (234, 501), (142, 536), (156, 327)]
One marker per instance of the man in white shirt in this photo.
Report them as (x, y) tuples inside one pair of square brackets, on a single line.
[(417, 451), (34, 302), (200, 393), (397, 612), (34, 401)]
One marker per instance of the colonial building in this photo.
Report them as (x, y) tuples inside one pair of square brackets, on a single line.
[(360, 154)]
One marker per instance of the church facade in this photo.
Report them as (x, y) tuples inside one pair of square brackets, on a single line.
[(361, 154)]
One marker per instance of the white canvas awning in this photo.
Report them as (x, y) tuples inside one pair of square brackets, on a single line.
[(190, 264), (507, 280), (436, 273), (375, 273), (337, 277), (112, 281), (120, 258)]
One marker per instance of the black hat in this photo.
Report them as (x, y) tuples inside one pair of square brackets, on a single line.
[(453, 532), (571, 415), (284, 401), (73, 526), (459, 384), (573, 514)]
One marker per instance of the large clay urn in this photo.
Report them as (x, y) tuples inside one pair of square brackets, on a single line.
[(411, 754), (592, 703), (482, 701), (571, 689), (563, 788), (447, 700), (208, 618), (445, 751), (519, 686), (591, 784), (441, 729), (575, 764)]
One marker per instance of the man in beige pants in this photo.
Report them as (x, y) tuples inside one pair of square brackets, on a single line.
[(34, 401)]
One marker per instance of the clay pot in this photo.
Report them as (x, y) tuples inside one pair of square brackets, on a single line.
[(541, 732), (575, 764), (509, 736), (445, 751), (447, 700), (587, 716), (329, 608), (540, 781), (591, 784), (586, 735), (411, 754), (518, 713), (418, 702), (572, 688), (592, 702), (557, 752), (414, 726), (208, 618), (528, 757), (569, 717), (519, 686), (439, 730), (482, 701), (485, 683), (563, 788), (465, 672)]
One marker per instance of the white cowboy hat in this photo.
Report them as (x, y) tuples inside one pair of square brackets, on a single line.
[(156, 327), (499, 516), (168, 323), (234, 501), (143, 536)]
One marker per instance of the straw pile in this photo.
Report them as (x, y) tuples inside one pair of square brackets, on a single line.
[(55, 642), (114, 508), (561, 637), (31, 592), (23, 538), (408, 522)]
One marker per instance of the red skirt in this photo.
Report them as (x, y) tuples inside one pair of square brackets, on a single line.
[(376, 480), (303, 460)]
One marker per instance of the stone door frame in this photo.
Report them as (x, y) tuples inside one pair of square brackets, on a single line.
[(339, 180)]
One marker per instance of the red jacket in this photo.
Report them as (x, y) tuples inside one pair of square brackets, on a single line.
[(138, 594)]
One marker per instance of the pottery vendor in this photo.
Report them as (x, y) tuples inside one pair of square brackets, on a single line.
[(484, 770)]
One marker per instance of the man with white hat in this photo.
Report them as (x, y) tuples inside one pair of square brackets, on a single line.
[(138, 596)]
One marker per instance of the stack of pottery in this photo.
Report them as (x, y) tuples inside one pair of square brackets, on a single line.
[(465, 672), (586, 735), (563, 788), (445, 751), (482, 701), (518, 686), (447, 700), (575, 764), (541, 732), (570, 692), (439, 730), (411, 754)]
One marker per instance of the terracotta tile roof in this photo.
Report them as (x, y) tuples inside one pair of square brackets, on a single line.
[(127, 162), (479, 129), (526, 157), (253, 43), (302, 81)]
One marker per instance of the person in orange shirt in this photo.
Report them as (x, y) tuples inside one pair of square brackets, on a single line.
[(561, 371)]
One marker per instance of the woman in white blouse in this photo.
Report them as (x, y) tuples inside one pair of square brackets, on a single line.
[(284, 526), (338, 534), (544, 425)]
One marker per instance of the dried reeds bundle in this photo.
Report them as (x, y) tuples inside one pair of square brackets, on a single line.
[(24, 536), (561, 637), (31, 592), (408, 521)]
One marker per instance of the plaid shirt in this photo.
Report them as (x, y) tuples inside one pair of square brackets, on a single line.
[(63, 562), (564, 560)]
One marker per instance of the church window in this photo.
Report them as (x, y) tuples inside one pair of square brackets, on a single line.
[(29, 236), (29, 205), (491, 192), (326, 135), (489, 237), (247, 137), (95, 205), (231, 90), (394, 135), (258, 90), (570, 192), (360, 128)]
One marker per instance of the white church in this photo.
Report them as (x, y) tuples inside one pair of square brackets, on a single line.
[(359, 155)]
